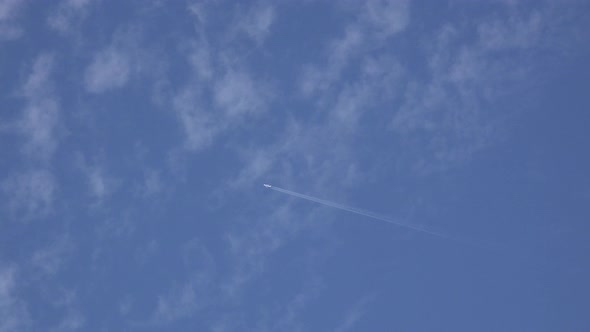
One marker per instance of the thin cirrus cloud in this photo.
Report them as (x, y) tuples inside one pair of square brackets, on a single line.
[(342, 104), (375, 22), (14, 315), (200, 127), (109, 70), (40, 121), (68, 15), (9, 12), (257, 23), (446, 114), (30, 194), (196, 292), (220, 94), (225, 96), (51, 258)]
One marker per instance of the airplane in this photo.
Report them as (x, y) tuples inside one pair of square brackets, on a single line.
[(267, 185)]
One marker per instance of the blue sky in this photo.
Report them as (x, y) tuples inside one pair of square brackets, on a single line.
[(136, 136)]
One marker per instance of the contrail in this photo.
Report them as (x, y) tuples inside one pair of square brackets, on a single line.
[(372, 215), (356, 210)]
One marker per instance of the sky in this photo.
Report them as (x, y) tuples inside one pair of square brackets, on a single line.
[(135, 137)]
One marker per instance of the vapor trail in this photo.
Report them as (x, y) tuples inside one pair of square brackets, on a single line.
[(479, 243), (359, 211)]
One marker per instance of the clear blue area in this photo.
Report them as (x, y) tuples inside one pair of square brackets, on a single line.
[(136, 136)]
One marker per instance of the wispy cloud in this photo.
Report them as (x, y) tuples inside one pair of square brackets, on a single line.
[(109, 70), (186, 298), (73, 321), (40, 119), (448, 114), (114, 65), (9, 11), (354, 315), (14, 315), (99, 182), (178, 303), (72, 317), (68, 15), (199, 125), (30, 194), (152, 183), (257, 21), (317, 79), (289, 316), (220, 93), (238, 94), (250, 249), (375, 22), (50, 259), (386, 17)]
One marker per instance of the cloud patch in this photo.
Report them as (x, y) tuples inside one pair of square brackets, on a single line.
[(68, 14), (30, 194), (109, 70), (40, 119), (257, 22), (14, 315), (9, 11)]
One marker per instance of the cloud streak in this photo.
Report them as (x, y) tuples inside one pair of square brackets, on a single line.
[(14, 315), (30, 194), (109, 70), (9, 11)]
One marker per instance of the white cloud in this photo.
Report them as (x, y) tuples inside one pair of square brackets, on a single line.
[(387, 17), (317, 79), (109, 70), (199, 125), (289, 316), (73, 321), (320, 148), (206, 113), (68, 14), (40, 118), (195, 293), (9, 10), (30, 194), (376, 21), (220, 94), (152, 183), (354, 315), (258, 163), (14, 315), (39, 123), (237, 94), (447, 115), (378, 83), (257, 21), (198, 10), (200, 60), (99, 182), (50, 259), (38, 80), (178, 303), (515, 32), (250, 249)]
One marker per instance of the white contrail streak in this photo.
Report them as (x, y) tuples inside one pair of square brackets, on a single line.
[(374, 216), (357, 211)]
